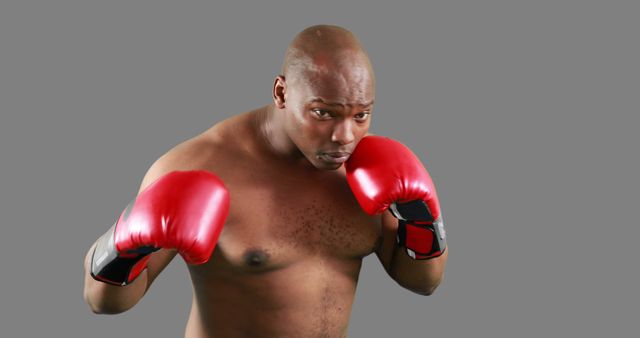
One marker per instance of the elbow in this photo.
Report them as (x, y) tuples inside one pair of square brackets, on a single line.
[(422, 288), (107, 311), (424, 291), (431, 288), (101, 306), (96, 309), (427, 291), (102, 309)]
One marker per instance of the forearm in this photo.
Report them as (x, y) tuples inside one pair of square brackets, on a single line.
[(419, 276), (110, 299)]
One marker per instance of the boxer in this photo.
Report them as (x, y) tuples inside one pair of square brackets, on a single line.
[(274, 209)]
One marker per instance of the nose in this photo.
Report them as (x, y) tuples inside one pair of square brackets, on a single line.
[(342, 132)]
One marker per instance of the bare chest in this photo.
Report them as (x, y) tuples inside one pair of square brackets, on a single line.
[(278, 220)]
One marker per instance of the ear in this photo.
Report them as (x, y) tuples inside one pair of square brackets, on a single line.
[(279, 90)]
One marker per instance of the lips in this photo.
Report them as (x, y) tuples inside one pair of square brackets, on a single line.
[(338, 154), (337, 157)]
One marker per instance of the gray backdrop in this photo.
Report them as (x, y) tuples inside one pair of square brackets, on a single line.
[(525, 113)]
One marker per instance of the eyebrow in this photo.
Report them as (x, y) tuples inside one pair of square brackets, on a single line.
[(318, 99)]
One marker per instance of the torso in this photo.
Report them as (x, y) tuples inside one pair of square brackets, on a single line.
[(288, 258)]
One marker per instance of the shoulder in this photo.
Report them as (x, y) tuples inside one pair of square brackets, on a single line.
[(206, 151)]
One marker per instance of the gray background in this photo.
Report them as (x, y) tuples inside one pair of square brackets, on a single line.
[(525, 113)]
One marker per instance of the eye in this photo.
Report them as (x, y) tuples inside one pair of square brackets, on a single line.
[(361, 117), (322, 114)]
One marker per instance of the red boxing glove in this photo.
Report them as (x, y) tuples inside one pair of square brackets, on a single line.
[(384, 174), (185, 210)]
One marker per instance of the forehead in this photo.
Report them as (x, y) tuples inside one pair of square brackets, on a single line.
[(344, 85)]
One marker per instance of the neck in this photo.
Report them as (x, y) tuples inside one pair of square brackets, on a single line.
[(270, 128)]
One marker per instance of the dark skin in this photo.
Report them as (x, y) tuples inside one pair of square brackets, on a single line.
[(288, 259)]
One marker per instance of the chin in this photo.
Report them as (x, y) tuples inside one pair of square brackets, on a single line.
[(333, 167), (328, 166)]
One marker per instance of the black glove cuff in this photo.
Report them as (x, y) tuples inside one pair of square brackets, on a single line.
[(416, 210), (106, 263)]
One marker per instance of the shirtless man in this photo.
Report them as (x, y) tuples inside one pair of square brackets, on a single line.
[(289, 222)]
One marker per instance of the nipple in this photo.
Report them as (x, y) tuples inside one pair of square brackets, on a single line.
[(255, 257)]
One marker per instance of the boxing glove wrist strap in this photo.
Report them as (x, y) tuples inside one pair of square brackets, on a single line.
[(421, 235), (109, 266)]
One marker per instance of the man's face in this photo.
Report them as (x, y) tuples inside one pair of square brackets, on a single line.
[(328, 112)]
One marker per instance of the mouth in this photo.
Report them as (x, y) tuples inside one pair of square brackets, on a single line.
[(337, 157)]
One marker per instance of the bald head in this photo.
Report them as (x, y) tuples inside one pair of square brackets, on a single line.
[(323, 48), (323, 98)]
